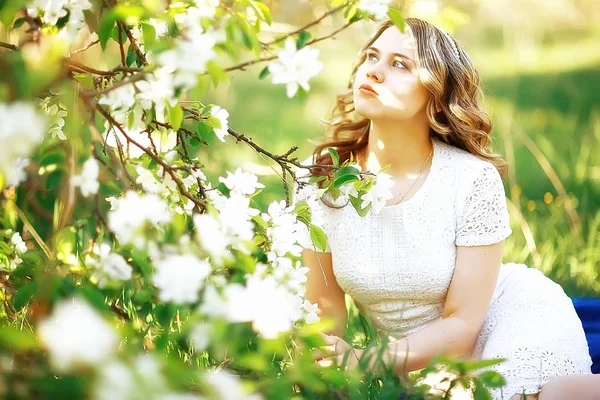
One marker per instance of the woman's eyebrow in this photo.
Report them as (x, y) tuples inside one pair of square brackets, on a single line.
[(375, 49)]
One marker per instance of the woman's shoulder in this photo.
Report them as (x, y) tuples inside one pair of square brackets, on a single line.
[(460, 162)]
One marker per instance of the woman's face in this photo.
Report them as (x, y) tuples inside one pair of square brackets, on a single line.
[(390, 71)]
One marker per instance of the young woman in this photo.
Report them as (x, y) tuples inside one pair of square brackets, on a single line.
[(427, 269)]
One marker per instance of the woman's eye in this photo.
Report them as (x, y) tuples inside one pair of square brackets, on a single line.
[(399, 64), (371, 56)]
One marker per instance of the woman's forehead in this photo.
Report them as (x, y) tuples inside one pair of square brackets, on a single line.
[(394, 41)]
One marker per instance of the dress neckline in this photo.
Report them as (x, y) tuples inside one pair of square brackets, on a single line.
[(428, 178)]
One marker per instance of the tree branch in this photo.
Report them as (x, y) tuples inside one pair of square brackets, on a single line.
[(166, 167), (9, 46), (307, 26), (134, 44)]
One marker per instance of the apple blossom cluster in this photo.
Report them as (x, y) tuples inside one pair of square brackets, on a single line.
[(378, 8), (193, 49), (294, 67), (19, 248), (50, 11), (109, 267), (87, 181), (22, 128), (76, 335), (56, 113)]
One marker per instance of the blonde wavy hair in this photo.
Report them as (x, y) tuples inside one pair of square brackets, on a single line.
[(455, 110)]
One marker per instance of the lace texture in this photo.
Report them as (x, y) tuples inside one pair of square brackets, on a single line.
[(397, 265)]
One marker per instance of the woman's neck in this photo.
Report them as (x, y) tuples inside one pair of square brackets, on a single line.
[(405, 145)]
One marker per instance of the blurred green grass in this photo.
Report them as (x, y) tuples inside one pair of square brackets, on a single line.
[(548, 104)]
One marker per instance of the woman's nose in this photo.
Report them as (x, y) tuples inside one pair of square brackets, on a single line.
[(375, 74)]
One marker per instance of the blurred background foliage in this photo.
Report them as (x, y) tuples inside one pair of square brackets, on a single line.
[(540, 66), (539, 61)]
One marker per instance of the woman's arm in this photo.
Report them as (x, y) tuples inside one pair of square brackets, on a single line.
[(467, 301), (322, 288)]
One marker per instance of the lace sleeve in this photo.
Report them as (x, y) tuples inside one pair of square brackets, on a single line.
[(319, 211), (482, 214)]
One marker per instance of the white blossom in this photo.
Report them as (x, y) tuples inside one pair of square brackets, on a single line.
[(190, 55), (158, 90), (379, 194), (76, 334), (283, 231), (379, 8), (56, 114), (213, 304), (19, 243), (109, 266), (200, 335), (221, 114), (16, 172), (22, 128), (120, 100), (133, 212), (244, 183), (115, 382), (142, 379), (228, 387), (295, 67), (212, 237), (270, 307), (179, 278), (310, 312), (235, 217), (88, 180), (207, 8)]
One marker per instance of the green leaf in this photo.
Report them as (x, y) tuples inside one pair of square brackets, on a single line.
[(131, 57), (397, 18), (344, 179), (18, 23), (176, 117), (217, 73), (317, 236), (149, 34), (264, 73), (480, 392), (316, 179), (105, 28), (335, 157), (24, 294), (347, 170), (303, 38), (492, 379), (262, 10), (356, 203), (17, 339)]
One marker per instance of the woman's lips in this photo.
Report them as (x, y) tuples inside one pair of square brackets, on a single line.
[(367, 89)]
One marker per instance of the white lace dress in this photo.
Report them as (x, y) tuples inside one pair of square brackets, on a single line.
[(397, 266)]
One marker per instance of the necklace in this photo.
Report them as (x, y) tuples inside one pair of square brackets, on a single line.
[(417, 178)]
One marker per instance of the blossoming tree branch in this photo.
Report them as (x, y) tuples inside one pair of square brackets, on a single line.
[(126, 273)]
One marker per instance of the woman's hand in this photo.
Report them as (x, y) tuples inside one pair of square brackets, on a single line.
[(334, 351)]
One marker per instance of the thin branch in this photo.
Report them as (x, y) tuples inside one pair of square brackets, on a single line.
[(90, 70), (307, 26), (134, 44), (9, 46), (133, 78), (246, 64), (165, 166), (249, 63), (95, 42), (121, 49)]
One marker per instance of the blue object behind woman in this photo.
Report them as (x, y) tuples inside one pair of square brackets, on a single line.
[(588, 310)]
